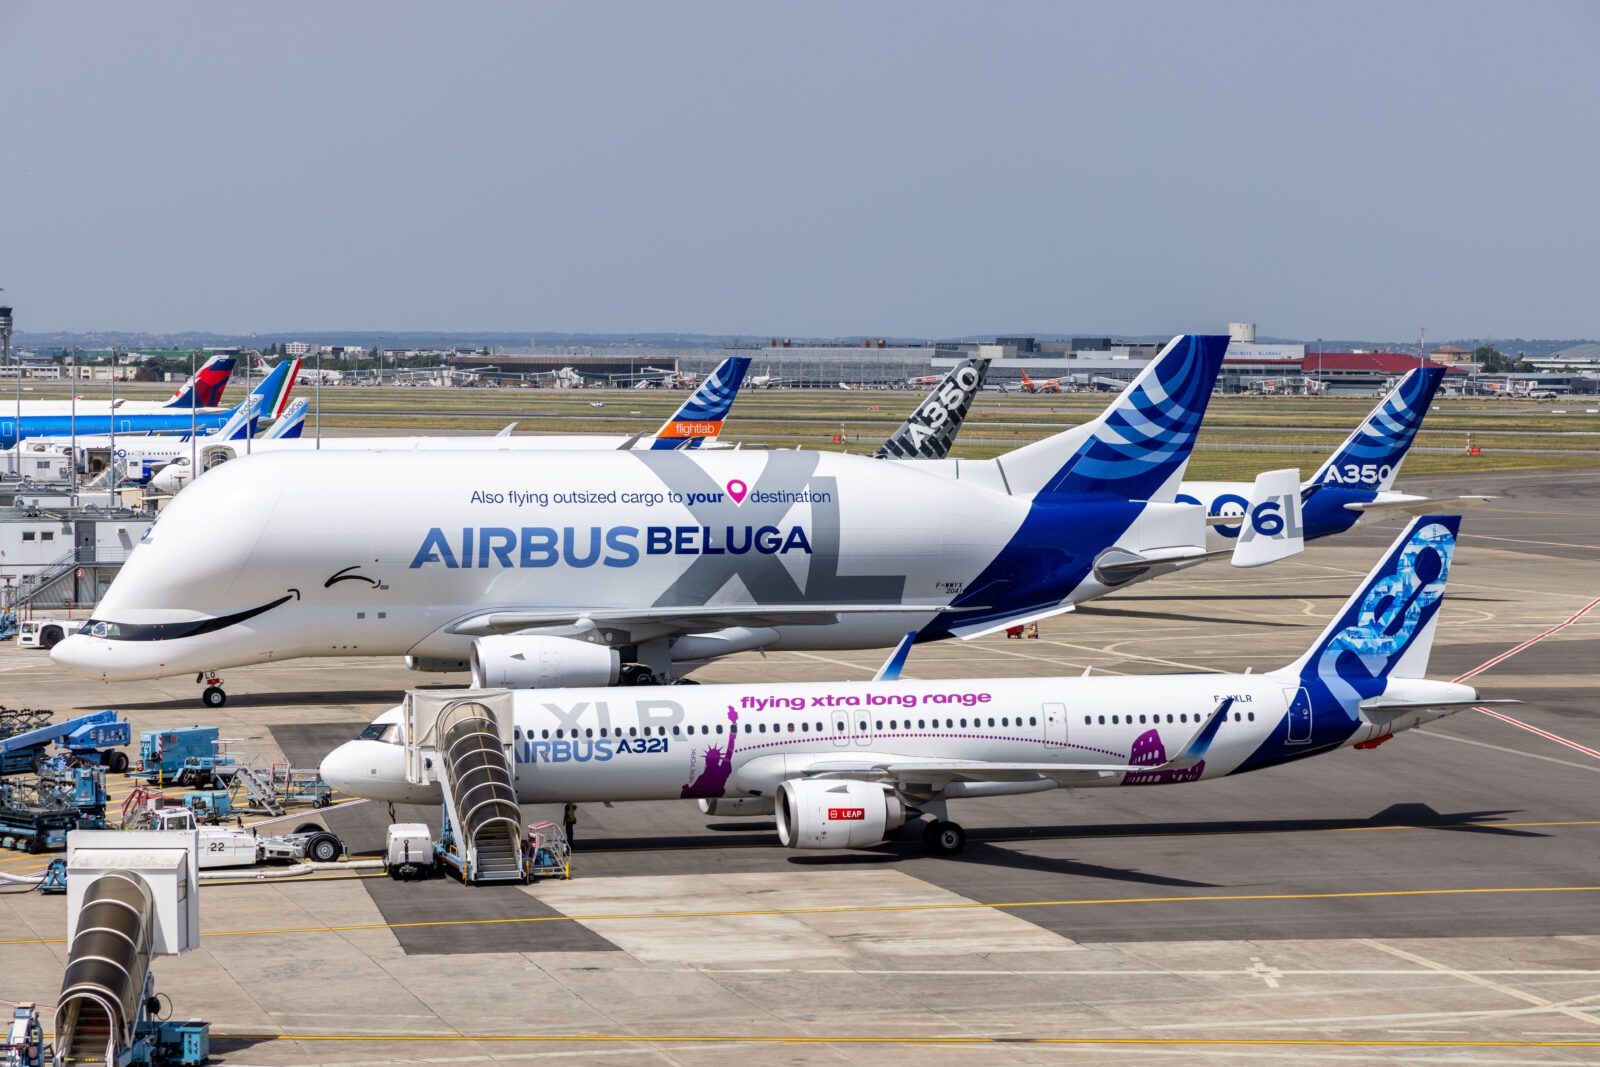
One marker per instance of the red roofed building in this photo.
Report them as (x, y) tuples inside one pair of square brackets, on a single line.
[(1339, 372)]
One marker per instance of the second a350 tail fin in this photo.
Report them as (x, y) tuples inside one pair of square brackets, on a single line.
[(1139, 446), (1370, 457), (930, 430), (702, 415)]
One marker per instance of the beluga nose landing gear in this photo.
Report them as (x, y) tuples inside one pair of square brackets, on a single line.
[(212, 695)]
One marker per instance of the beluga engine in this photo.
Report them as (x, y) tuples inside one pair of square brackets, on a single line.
[(517, 661)]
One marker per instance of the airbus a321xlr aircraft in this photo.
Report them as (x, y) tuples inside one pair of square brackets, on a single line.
[(844, 765), (591, 568)]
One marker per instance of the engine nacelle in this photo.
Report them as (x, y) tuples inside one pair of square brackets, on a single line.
[(512, 661), (736, 807), (829, 813)]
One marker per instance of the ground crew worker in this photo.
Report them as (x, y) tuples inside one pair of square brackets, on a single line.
[(569, 820)]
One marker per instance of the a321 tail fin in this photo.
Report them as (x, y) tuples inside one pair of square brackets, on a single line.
[(274, 388), (1139, 446), (702, 414), (931, 429), (241, 423), (1370, 457), (204, 387), (290, 423), (1386, 627)]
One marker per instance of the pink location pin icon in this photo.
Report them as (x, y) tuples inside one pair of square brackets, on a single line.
[(738, 490)]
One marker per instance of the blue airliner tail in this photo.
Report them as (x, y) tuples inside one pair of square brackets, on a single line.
[(242, 422), (204, 387), (274, 388), (701, 416), (1370, 457), (1386, 627), (290, 424), (1139, 446)]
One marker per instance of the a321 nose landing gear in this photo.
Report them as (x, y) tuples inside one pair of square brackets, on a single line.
[(212, 696)]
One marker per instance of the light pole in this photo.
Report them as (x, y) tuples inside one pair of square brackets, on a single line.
[(319, 400), (5, 342)]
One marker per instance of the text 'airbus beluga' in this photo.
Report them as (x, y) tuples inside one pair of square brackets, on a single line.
[(594, 568), (846, 764)]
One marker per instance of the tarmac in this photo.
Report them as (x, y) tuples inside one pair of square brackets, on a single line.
[(1435, 900)]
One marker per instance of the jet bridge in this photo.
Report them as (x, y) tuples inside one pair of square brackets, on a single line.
[(464, 743), (131, 896)]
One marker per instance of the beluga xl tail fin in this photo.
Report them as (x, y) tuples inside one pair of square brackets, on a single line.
[(1139, 446)]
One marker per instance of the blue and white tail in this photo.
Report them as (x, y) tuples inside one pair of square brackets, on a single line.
[(204, 387), (290, 424), (242, 423), (1386, 627), (701, 416), (274, 388), (1370, 457), (1138, 448)]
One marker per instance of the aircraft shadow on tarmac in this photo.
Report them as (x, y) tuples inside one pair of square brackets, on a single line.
[(386, 697)]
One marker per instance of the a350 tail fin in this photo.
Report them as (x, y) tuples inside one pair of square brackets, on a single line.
[(932, 428), (242, 422), (1370, 457), (204, 387), (1386, 627), (290, 423), (1138, 448), (702, 414), (274, 388)]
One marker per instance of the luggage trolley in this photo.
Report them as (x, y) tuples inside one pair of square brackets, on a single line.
[(546, 853)]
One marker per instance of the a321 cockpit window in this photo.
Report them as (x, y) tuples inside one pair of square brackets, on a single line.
[(387, 732)]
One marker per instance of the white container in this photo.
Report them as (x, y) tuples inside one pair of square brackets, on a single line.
[(408, 850)]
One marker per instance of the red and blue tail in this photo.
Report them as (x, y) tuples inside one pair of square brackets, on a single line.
[(204, 387)]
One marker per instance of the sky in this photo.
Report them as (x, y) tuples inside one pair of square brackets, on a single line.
[(818, 169)]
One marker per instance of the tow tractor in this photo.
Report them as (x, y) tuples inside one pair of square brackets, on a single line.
[(44, 633), (222, 846)]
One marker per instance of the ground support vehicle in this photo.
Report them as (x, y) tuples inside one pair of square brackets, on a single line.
[(27, 734), (408, 851), (233, 847), (547, 852), (191, 755)]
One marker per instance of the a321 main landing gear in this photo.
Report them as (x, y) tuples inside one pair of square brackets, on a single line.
[(943, 837), (212, 696)]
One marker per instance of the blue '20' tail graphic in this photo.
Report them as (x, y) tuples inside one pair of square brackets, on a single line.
[(702, 414), (1138, 448), (1370, 457), (1386, 627)]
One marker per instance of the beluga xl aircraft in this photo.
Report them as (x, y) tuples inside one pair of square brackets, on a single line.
[(847, 764), (637, 566)]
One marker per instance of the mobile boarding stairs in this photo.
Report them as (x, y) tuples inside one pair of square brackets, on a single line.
[(463, 742)]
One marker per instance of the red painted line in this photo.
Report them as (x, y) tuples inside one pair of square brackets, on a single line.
[(1502, 657), (1542, 733)]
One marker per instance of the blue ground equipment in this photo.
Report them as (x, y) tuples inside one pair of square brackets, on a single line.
[(27, 734), (187, 756)]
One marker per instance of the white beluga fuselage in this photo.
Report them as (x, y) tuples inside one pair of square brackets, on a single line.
[(280, 555)]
